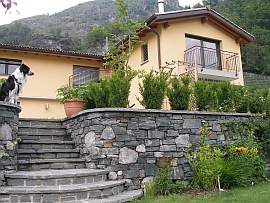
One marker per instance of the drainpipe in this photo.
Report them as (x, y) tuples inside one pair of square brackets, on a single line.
[(158, 46)]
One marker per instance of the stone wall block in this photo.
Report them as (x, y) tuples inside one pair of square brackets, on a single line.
[(127, 156), (107, 133), (192, 123), (182, 140)]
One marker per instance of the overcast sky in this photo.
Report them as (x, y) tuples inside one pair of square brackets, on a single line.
[(28, 8)]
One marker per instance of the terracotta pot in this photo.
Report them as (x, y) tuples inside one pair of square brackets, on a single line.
[(73, 106)]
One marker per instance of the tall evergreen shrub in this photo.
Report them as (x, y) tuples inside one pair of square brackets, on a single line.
[(153, 89), (179, 93), (204, 95)]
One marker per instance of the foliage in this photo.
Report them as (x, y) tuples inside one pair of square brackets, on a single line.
[(163, 180), (74, 92), (119, 87), (179, 93), (164, 184), (153, 89), (126, 32), (243, 164), (206, 162), (252, 15), (97, 95), (204, 95), (113, 92)]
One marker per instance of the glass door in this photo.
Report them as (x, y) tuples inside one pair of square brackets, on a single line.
[(207, 52)]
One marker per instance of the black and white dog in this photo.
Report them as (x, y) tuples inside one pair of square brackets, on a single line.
[(13, 86)]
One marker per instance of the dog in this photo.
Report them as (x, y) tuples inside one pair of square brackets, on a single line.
[(13, 86)]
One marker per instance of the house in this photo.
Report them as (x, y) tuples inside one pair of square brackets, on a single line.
[(52, 69), (200, 41)]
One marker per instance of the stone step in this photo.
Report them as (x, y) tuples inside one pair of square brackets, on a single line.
[(56, 177), (63, 137), (41, 164), (66, 193), (36, 122), (37, 131), (46, 144), (124, 196), (47, 153)]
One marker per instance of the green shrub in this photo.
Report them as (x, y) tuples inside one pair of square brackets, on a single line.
[(164, 184), (153, 89), (204, 95), (243, 164), (113, 92), (206, 162), (119, 87), (179, 93)]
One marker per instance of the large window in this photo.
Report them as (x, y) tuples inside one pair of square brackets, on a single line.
[(82, 75), (207, 52), (8, 66)]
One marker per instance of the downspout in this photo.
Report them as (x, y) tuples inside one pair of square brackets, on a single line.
[(158, 46)]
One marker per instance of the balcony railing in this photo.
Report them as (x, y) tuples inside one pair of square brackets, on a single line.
[(85, 76), (213, 59)]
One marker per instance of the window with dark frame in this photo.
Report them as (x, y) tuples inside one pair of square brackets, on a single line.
[(208, 51), (144, 52), (8, 66), (82, 75)]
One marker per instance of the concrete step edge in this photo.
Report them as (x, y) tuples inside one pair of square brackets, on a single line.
[(124, 196), (54, 174), (7, 190)]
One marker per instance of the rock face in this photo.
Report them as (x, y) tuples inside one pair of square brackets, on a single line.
[(66, 29)]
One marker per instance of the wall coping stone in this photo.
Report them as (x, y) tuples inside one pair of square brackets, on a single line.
[(99, 110)]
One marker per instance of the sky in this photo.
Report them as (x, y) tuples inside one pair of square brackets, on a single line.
[(28, 8)]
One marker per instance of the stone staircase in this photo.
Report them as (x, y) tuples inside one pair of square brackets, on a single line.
[(50, 170)]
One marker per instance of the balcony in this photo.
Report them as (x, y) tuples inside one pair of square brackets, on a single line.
[(214, 64), (85, 76)]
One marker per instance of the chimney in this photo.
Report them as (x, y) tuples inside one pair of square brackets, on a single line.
[(161, 6)]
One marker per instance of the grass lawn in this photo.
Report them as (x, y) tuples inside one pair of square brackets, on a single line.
[(254, 194)]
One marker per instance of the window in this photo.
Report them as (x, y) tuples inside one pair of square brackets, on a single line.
[(206, 50), (82, 75), (8, 66), (144, 53)]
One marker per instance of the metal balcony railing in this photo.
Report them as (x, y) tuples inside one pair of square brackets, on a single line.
[(213, 59), (85, 76)]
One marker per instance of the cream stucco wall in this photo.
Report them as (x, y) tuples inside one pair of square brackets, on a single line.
[(172, 46), (51, 72)]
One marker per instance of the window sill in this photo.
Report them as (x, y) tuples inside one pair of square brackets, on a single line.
[(144, 62)]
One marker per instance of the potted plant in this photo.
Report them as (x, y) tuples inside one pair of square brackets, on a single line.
[(72, 98)]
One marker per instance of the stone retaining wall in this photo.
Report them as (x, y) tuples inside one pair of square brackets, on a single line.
[(9, 114), (130, 142)]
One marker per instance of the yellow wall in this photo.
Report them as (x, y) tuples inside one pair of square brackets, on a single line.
[(172, 46), (51, 72)]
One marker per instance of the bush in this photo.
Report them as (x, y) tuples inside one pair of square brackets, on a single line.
[(113, 92), (206, 162), (204, 95), (179, 93), (243, 164), (164, 184), (153, 89)]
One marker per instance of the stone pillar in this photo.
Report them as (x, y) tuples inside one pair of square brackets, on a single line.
[(9, 120)]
